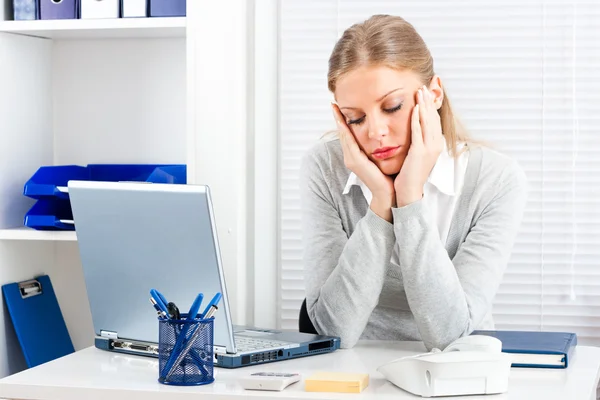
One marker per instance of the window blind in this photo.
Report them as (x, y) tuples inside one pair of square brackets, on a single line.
[(523, 77)]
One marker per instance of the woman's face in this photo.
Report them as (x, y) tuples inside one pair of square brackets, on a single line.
[(377, 104)]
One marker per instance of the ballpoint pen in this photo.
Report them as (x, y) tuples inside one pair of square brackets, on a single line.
[(190, 343), (160, 312), (214, 301), (195, 307), (160, 300)]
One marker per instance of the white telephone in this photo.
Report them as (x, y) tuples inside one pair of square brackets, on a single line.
[(470, 365)]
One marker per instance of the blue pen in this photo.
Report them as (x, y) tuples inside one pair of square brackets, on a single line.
[(160, 300), (215, 300), (160, 312), (195, 307)]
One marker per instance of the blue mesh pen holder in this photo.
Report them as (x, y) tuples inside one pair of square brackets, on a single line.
[(185, 351)]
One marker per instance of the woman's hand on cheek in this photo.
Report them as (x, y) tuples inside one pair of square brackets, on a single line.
[(380, 185), (426, 146)]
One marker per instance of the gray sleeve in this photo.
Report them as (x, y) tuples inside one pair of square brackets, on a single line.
[(343, 275), (449, 298)]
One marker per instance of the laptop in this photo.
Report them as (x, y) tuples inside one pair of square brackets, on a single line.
[(134, 237)]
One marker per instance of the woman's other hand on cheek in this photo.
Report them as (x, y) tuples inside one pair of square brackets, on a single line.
[(427, 143)]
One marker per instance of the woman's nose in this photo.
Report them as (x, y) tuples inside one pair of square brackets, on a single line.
[(378, 128)]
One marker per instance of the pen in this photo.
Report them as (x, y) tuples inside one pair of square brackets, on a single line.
[(160, 312), (214, 301), (160, 300), (195, 307), (190, 343)]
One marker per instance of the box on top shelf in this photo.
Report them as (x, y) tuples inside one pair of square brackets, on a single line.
[(49, 185), (167, 8), (90, 9), (58, 9), (25, 10)]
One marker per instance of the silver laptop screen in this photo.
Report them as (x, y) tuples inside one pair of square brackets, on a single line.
[(133, 237)]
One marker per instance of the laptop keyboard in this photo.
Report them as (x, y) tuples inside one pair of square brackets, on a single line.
[(249, 344)]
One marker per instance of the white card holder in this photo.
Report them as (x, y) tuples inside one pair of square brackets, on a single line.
[(95, 9), (134, 8)]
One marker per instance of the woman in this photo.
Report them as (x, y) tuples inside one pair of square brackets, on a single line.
[(408, 224)]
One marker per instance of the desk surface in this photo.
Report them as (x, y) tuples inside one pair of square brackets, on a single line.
[(96, 374)]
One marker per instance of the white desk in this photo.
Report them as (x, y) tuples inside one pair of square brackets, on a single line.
[(95, 374)]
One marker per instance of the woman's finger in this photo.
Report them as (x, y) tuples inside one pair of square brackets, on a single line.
[(425, 109), (346, 139), (429, 99), (343, 128), (416, 132)]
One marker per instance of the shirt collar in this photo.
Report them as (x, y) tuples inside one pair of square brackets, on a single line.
[(441, 176), (352, 180)]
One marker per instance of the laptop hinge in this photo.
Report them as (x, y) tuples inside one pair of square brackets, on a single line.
[(108, 334)]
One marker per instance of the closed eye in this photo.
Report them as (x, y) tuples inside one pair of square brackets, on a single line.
[(360, 120), (393, 110), (356, 121)]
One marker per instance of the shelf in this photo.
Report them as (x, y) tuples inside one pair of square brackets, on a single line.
[(25, 233), (98, 28)]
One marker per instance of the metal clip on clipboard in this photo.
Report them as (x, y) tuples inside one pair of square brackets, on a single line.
[(30, 288), (37, 320)]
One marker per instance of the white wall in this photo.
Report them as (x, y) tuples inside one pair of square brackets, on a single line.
[(265, 166), (218, 130), (233, 128), (119, 100)]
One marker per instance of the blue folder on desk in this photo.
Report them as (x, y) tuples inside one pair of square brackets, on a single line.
[(37, 320), (533, 349)]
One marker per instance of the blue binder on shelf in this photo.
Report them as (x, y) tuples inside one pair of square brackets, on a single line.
[(536, 349), (37, 320)]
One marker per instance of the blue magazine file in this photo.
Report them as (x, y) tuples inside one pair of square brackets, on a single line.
[(37, 320), (536, 349)]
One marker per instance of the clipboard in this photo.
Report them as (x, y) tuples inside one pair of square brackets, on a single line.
[(37, 319)]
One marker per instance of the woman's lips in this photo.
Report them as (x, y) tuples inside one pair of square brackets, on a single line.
[(386, 152)]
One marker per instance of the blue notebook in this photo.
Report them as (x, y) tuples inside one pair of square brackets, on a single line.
[(37, 320), (532, 349)]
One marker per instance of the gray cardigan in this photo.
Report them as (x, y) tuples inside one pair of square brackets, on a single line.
[(438, 291)]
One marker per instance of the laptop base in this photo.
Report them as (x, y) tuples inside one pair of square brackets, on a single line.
[(224, 360)]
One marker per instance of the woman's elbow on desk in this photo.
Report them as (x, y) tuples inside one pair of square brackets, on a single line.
[(325, 325), (347, 339), (443, 338)]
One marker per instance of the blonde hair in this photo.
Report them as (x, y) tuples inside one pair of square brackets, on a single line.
[(393, 42)]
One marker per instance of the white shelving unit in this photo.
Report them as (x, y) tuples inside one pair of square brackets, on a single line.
[(24, 233), (80, 92), (156, 90), (98, 28)]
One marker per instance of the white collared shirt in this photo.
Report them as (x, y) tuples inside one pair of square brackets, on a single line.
[(441, 191)]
